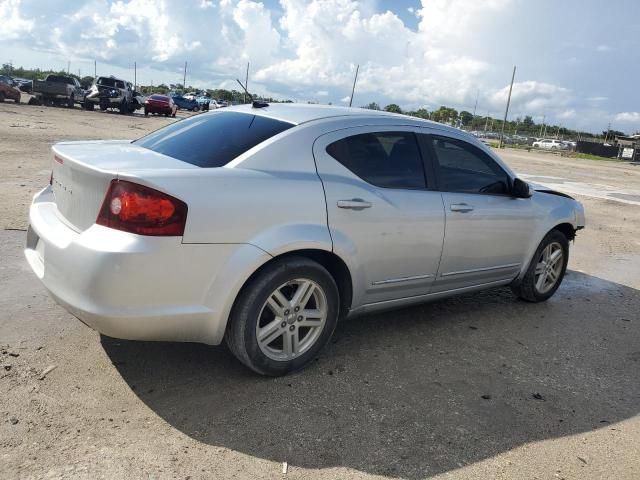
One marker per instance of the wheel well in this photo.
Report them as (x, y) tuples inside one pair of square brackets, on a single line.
[(567, 229), (334, 265)]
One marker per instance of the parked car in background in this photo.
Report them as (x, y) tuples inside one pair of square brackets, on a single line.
[(262, 226), (25, 85), (549, 144), (185, 104), (8, 89), (110, 92), (58, 90), (204, 102), (137, 100), (161, 105)]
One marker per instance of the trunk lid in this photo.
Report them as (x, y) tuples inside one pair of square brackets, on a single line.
[(82, 172)]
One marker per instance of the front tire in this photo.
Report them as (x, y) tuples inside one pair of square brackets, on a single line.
[(547, 269), (284, 316)]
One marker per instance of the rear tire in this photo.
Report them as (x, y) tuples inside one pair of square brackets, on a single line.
[(546, 271), (71, 101), (292, 332), (146, 112), (124, 107), (1, 97), (196, 108)]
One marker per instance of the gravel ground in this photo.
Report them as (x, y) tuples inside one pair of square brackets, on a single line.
[(479, 386)]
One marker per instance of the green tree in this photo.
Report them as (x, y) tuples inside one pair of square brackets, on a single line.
[(466, 118), (373, 106), (393, 108), (420, 113), (85, 82), (528, 122), (445, 115)]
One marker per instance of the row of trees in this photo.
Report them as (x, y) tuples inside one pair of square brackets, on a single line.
[(520, 126)]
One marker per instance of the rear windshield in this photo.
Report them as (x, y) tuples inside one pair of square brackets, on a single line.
[(59, 79), (107, 82), (212, 139), (159, 97)]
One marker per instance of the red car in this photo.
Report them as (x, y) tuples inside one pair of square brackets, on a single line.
[(8, 89), (160, 104)]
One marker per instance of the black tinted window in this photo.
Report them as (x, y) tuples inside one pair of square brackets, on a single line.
[(213, 139), (464, 168), (107, 82), (385, 159)]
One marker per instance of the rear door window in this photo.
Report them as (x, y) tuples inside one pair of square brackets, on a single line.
[(383, 159), (213, 139)]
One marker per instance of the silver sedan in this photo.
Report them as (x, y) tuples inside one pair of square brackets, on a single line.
[(264, 225)]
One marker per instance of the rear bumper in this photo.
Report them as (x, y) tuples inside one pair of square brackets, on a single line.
[(158, 109), (131, 286)]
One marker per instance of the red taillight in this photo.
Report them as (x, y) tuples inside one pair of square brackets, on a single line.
[(138, 209)]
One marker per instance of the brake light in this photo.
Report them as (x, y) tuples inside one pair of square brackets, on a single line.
[(134, 208)]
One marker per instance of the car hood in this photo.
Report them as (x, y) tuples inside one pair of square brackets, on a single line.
[(542, 189)]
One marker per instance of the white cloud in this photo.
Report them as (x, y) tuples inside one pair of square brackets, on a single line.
[(13, 24), (345, 99), (628, 117), (532, 96), (567, 114), (309, 49)]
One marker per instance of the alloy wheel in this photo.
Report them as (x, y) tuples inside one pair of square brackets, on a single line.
[(549, 267), (292, 319)]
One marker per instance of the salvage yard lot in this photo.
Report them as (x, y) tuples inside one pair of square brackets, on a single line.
[(480, 386)]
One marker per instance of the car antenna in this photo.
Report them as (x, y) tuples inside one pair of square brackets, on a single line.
[(255, 103)]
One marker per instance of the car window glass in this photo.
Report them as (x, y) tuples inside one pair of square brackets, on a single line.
[(465, 168), (383, 159), (214, 139)]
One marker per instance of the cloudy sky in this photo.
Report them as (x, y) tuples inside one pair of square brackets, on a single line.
[(576, 59)]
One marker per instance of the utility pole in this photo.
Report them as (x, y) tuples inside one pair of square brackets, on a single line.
[(184, 79), (475, 107), (544, 134), (246, 84), (486, 122), (135, 76), (68, 67), (606, 137), (355, 79), (95, 69), (506, 112), (542, 125)]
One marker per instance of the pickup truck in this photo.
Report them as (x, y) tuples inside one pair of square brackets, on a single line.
[(58, 89), (111, 92)]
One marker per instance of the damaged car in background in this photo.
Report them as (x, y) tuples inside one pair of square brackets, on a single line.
[(111, 92)]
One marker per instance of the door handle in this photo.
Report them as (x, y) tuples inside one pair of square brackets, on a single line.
[(354, 204), (461, 207)]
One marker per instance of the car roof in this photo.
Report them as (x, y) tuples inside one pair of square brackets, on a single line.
[(298, 113)]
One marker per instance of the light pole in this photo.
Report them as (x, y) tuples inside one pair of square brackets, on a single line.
[(506, 112), (355, 79)]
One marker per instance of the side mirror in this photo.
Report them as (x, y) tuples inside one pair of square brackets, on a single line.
[(520, 189)]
